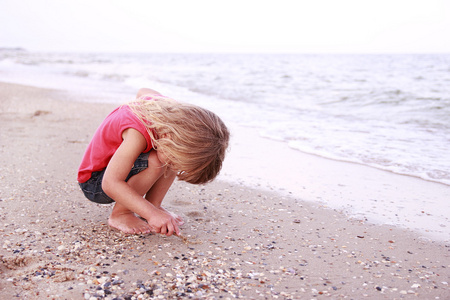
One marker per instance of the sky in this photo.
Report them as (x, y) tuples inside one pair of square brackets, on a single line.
[(278, 26)]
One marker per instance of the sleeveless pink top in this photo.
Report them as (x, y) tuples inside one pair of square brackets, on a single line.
[(107, 139)]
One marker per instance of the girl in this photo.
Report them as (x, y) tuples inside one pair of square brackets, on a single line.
[(137, 152)]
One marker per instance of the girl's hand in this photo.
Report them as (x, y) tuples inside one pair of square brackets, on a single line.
[(179, 219), (163, 223)]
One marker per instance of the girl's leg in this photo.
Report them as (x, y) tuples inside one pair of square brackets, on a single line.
[(159, 190), (154, 184), (124, 219)]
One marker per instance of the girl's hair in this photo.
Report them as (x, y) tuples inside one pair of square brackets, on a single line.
[(193, 139)]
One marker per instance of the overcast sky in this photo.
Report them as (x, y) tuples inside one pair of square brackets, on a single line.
[(312, 26)]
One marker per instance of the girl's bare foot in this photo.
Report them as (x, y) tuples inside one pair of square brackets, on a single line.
[(129, 223)]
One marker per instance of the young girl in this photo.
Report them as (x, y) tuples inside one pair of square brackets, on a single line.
[(137, 152)]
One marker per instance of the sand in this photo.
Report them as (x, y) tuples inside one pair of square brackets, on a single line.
[(242, 242)]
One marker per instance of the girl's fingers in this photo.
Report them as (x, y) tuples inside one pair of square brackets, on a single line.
[(180, 221), (177, 230), (170, 229), (177, 217), (163, 230)]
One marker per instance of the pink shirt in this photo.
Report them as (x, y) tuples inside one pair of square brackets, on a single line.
[(107, 139)]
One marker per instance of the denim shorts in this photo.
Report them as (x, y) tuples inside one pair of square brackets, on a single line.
[(92, 188)]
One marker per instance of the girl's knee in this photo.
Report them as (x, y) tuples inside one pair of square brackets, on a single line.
[(154, 163)]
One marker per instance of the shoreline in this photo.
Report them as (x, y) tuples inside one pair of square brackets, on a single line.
[(247, 242), (364, 192)]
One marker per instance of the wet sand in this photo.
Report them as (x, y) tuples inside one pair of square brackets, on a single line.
[(241, 242)]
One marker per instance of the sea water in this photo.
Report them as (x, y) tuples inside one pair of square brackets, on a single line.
[(390, 112)]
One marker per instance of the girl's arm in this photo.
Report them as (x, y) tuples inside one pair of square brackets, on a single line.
[(114, 184)]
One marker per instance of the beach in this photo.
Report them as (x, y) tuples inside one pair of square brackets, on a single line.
[(243, 239)]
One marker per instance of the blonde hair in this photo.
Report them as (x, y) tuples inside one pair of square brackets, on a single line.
[(194, 139)]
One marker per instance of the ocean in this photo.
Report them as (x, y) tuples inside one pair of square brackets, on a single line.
[(390, 112)]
